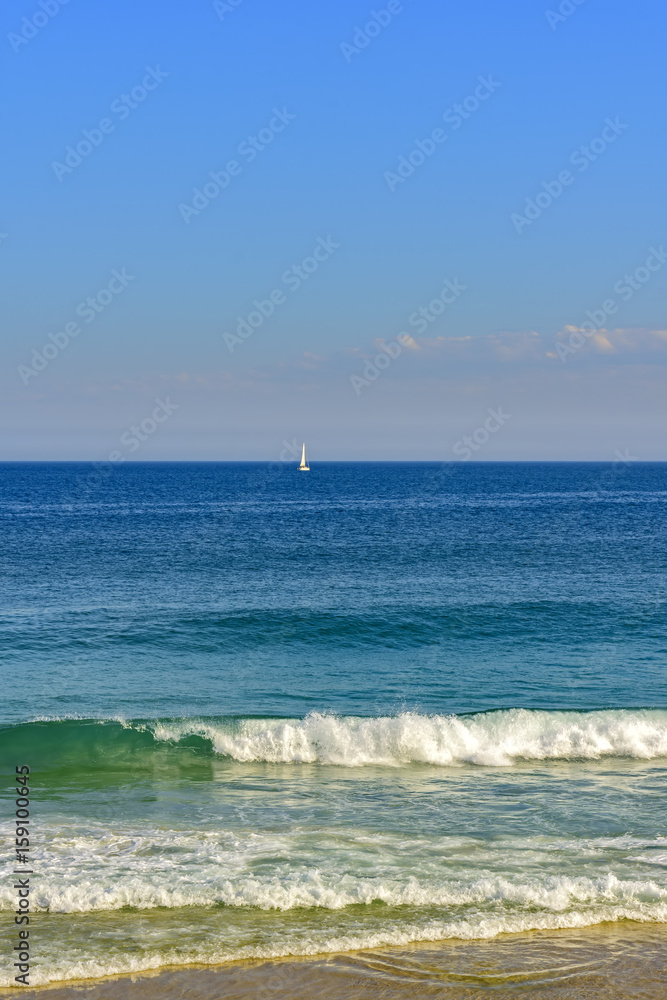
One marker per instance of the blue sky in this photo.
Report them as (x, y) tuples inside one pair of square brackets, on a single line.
[(335, 111)]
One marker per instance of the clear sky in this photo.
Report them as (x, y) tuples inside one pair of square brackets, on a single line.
[(365, 155)]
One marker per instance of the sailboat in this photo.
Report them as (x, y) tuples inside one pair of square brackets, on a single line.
[(304, 467)]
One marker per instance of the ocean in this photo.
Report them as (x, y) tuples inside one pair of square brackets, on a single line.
[(272, 714)]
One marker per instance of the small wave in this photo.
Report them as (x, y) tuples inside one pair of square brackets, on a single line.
[(92, 866), (55, 968), (312, 889)]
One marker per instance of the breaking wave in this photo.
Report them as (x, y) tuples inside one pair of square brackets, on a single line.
[(491, 738), (495, 739)]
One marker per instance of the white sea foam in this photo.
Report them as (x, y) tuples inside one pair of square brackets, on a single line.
[(99, 868), (493, 738), (312, 889), (438, 887)]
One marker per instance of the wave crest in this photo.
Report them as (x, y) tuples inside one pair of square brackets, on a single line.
[(494, 739)]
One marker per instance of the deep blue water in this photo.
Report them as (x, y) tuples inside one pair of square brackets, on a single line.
[(162, 589)]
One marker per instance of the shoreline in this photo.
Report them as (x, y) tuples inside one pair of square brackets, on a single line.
[(610, 960)]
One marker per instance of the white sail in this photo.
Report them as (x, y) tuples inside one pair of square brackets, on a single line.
[(304, 467)]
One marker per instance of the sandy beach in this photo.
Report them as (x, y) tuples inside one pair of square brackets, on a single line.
[(615, 962)]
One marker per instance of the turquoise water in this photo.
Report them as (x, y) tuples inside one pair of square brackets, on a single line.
[(270, 713)]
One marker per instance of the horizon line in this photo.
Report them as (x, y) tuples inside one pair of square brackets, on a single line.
[(334, 461)]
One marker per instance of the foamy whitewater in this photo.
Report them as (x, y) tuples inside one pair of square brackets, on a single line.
[(494, 738), (207, 840), (269, 714)]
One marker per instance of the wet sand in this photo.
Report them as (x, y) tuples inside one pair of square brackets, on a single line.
[(616, 961)]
